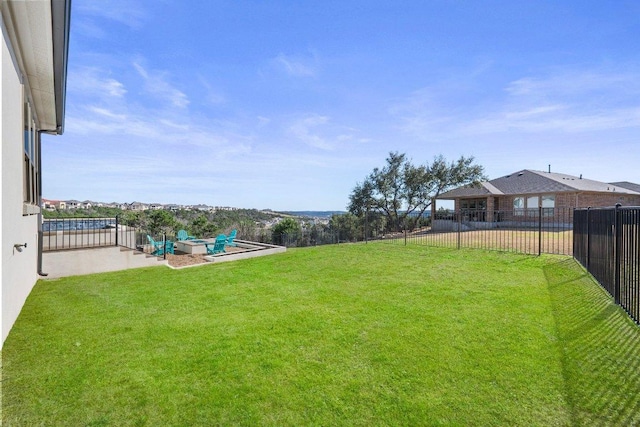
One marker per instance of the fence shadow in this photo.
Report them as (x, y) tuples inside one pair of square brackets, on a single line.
[(599, 347)]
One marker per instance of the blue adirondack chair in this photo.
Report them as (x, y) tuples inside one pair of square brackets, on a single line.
[(183, 235), (218, 246), (232, 237)]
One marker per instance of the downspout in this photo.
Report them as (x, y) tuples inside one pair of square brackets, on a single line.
[(39, 185)]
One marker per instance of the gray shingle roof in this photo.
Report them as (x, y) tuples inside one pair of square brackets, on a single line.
[(529, 181), (628, 185)]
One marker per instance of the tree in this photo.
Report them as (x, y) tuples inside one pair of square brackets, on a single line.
[(161, 221), (285, 230), (345, 226), (403, 192), (201, 227), (135, 219)]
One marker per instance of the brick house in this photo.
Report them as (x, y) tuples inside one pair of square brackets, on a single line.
[(522, 195)]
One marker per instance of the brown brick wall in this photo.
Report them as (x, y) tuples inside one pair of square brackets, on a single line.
[(596, 200), (581, 200)]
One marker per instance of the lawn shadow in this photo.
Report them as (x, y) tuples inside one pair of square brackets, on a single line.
[(599, 346)]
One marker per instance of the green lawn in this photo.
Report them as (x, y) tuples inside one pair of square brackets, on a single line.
[(335, 335)]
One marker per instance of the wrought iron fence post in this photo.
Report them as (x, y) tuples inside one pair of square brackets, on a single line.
[(588, 238), (117, 230), (459, 214), (164, 245), (539, 230), (366, 222), (618, 249)]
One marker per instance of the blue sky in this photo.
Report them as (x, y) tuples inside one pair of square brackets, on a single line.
[(289, 104)]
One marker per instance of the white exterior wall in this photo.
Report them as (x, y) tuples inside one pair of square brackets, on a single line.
[(18, 269)]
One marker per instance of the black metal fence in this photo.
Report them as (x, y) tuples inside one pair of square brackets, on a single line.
[(533, 231), (529, 231), (607, 244)]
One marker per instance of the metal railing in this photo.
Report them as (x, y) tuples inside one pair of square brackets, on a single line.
[(85, 233), (76, 233), (607, 244)]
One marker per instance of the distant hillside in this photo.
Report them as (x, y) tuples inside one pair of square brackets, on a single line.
[(315, 214)]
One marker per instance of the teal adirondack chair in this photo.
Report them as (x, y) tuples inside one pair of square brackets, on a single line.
[(232, 237), (168, 247), (218, 246), (159, 248), (183, 235)]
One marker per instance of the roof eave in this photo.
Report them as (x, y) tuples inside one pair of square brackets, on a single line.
[(61, 23)]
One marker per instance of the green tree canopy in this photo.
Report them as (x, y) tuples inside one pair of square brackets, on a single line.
[(161, 221), (403, 191), (287, 227)]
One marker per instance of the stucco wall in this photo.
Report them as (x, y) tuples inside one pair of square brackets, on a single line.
[(19, 269)]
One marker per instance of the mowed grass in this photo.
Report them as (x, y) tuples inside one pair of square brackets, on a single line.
[(336, 335)]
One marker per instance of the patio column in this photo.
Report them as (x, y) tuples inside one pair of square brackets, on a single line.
[(490, 209), (433, 210)]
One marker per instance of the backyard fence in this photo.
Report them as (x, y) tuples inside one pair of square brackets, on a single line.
[(529, 231), (607, 244)]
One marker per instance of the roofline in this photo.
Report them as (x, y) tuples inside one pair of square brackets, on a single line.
[(61, 24)]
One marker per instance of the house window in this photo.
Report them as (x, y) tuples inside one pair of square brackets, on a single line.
[(518, 206), (548, 205), (532, 206), (31, 154), (473, 204)]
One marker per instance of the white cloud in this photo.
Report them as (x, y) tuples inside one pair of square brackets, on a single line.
[(319, 131), (96, 82), (156, 84), (212, 96), (568, 102), (305, 130), (126, 12), (296, 66), (263, 121)]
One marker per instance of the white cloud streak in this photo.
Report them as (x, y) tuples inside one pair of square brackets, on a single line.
[(568, 102), (156, 84), (296, 66)]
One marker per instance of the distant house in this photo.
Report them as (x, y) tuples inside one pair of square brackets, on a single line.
[(35, 40), (155, 206), (48, 205), (523, 193), (137, 206), (73, 204)]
